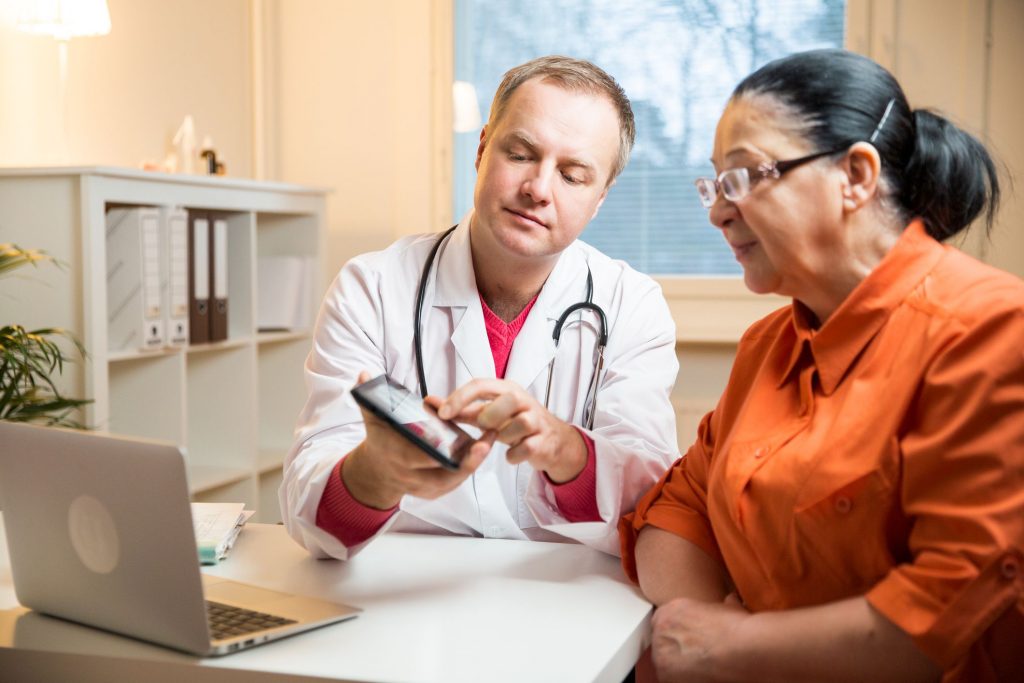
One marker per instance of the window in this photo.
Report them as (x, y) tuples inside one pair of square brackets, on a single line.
[(678, 61)]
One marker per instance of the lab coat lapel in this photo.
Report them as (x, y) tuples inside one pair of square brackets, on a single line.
[(534, 346), (455, 288)]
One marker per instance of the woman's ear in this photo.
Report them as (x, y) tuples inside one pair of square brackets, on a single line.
[(863, 168)]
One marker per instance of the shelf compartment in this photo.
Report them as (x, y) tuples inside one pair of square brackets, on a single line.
[(147, 397), (221, 395), (203, 478), (282, 391)]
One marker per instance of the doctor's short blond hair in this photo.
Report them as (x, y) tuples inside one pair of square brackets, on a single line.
[(572, 74)]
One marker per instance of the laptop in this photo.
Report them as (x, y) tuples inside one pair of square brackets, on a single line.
[(99, 531)]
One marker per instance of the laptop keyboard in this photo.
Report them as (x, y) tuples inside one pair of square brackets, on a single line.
[(227, 621)]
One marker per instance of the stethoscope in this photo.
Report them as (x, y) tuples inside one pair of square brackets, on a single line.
[(590, 405)]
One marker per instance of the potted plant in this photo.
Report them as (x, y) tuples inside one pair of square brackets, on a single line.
[(30, 359)]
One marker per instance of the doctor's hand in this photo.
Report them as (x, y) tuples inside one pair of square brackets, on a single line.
[(532, 433), (385, 466), (690, 638)]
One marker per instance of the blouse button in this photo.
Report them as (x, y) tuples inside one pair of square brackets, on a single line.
[(843, 505), (1009, 567)]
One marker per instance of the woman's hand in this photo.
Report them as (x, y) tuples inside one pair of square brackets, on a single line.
[(691, 639), (844, 641)]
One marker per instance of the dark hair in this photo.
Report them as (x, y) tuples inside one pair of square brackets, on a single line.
[(933, 169)]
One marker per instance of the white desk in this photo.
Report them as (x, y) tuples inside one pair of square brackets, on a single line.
[(436, 609)]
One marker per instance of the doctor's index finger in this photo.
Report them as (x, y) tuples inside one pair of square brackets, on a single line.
[(498, 413), (468, 393)]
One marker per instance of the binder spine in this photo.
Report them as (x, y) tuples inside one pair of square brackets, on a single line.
[(199, 278), (219, 280), (153, 335), (176, 277)]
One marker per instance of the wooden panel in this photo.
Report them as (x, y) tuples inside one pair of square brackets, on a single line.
[(1006, 133)]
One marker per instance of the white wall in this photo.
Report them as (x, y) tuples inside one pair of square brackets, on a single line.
[(1004, 104), (127, 92), (351, 90), (963, 58)]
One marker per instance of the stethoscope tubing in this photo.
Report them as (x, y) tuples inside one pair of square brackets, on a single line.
[(420, 295), (590, 403)]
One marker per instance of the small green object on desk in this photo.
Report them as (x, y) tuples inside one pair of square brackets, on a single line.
[(217, 525)]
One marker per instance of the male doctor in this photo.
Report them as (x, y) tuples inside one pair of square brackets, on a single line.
[(560, 131)]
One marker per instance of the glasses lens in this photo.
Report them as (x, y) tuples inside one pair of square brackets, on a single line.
[(706, 190), (735, 183)]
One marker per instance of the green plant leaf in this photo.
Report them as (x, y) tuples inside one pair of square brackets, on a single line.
[(12, 256), (30, 359)]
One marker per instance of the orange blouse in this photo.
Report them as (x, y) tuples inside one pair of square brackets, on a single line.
[(880, 455)]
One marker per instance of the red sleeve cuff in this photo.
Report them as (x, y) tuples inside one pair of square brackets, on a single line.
[(344, 517), (577, 498)]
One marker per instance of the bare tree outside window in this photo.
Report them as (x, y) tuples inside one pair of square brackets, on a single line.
[(678, 61)]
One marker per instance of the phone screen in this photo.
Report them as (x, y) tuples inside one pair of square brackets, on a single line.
[(441, 439)]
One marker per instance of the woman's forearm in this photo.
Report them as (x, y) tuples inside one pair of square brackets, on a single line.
[(841, 641)]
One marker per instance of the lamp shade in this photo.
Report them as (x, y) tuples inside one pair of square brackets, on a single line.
[(64, 19), (466, 108)]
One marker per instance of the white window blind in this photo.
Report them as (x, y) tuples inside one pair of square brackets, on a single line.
[(678, 61)]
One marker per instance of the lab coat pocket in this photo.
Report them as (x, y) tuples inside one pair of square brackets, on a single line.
[(840, 531)]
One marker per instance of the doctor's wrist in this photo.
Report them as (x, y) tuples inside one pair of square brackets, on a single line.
[(365, 484), (571, 458)]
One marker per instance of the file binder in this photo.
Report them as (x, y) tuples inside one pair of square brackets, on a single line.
[(199, 277), (134, 311), (175, 276), (219, 280)]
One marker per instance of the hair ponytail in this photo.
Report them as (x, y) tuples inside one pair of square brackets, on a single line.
[(949, 178)]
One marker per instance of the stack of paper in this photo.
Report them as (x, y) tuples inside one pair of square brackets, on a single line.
[(284, 286), (217, 526)]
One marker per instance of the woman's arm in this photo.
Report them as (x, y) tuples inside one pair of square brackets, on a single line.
[(669, 567), (701, 635), (841, 641)]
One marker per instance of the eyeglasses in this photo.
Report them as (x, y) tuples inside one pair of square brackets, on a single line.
[(736, 183)]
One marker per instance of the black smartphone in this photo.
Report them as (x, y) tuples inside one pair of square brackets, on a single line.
[(442, 440)]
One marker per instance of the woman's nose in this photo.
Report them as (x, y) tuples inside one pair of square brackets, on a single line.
[(721, 212)]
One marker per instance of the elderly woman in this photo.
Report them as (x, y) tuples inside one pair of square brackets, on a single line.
[(853, 508)]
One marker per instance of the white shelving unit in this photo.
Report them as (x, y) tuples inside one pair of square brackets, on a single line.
[(231, 404)]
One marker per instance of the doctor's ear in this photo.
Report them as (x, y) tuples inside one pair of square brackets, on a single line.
[(480, 147), (600, 201), (863, 170)]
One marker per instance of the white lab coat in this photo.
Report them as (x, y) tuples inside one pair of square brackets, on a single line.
[(366, 323)]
